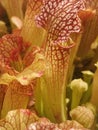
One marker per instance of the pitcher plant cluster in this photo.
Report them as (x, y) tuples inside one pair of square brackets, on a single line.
[(48, 65)]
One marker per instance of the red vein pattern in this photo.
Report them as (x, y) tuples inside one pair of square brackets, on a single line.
[(59, 30), (18, 120), (30, 56), (33, 8), (35, 5), (17, 88), (44, 124), (10, 48), (58, 57), (60, 19), (16, 97)]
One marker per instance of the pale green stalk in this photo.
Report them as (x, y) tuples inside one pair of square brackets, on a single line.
[(73, 54), (88, 78), (78, 87), (94, 97), (13, 8)]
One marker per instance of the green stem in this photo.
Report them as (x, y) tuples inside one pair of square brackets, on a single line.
[(76, 97), (78, 87), (38, 98), (76, 38), (42, 104), (88, 78), (54, 103)]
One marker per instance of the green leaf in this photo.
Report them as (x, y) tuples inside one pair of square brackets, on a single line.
[(18, 120)]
